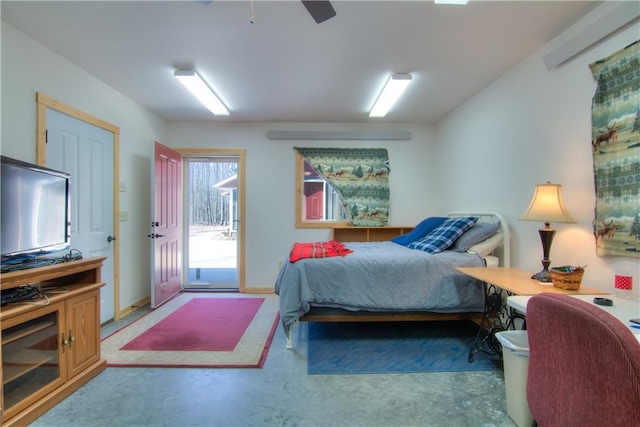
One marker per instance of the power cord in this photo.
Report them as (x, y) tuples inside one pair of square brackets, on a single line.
[(38, 299), (53, 290), (74, 254)]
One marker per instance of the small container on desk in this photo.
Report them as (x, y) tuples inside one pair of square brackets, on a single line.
[(567, 277), (623, 284)]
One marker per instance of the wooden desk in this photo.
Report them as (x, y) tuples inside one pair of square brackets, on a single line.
[(497, 316), (519, 282)]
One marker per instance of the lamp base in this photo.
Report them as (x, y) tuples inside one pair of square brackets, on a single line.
[(542, 276)]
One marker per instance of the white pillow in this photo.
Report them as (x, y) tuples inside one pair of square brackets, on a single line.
[(487, 246)]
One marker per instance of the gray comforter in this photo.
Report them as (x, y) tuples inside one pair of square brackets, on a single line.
[(380, 276)]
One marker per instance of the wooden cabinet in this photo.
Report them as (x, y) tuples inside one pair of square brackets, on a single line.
[(368, 234), (50, 350), (82, 332)]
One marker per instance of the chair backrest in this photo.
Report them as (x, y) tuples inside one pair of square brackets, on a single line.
[(584, 365)]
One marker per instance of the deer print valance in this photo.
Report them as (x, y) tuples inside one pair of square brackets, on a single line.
[(615, 118), (361, 178)]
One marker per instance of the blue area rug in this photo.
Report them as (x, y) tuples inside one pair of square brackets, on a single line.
[(393, 347)]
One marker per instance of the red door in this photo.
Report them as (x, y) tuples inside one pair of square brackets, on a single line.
[(314, 200), (166, 225)]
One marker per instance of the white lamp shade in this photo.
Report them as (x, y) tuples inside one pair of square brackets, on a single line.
[(547, 205)]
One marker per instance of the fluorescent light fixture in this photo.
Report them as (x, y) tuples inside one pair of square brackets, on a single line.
[(394, 87), (192, 81), (451, 1)]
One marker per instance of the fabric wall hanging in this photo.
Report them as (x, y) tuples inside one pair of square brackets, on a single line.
[(359, 176), (615, 119)]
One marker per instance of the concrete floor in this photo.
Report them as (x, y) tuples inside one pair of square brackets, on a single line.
[(280, 394)]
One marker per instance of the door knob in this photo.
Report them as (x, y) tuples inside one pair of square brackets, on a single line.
[(111, 238), (155, 236)]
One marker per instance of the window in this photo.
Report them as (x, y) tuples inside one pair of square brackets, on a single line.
[(318, 205), (358, 175)]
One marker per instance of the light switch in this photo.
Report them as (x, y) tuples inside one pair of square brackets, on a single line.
[(123, 186), (123, 215)]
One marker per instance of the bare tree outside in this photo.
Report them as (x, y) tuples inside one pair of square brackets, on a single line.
[(207, 205)]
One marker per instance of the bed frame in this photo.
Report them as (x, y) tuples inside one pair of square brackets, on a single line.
[(324, 314)]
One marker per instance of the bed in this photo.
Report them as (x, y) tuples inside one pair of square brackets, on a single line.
[(387, 281)]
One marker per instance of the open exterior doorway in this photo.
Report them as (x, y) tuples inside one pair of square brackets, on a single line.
[(212, 222)]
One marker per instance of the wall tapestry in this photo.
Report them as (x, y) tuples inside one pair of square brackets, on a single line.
[(359, 176), (615, 121)]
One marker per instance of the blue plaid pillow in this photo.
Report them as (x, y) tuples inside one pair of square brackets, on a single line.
[(443, 236)]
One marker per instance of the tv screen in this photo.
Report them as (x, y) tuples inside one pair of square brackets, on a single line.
[(34, 210)]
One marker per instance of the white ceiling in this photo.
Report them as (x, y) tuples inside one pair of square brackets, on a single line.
[(286, 68)]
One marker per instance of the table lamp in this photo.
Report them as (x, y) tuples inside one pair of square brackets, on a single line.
[(548, 206)]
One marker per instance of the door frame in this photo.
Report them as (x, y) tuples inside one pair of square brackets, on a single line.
[(42, 103), (241, 155)]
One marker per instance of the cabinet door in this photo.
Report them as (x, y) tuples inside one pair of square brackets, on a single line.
[(31, 362), (82, 332)]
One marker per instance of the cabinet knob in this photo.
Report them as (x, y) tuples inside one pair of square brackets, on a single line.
[(72, 339), (64, 342)]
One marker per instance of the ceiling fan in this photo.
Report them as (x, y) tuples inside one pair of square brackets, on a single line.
[(320, 10)]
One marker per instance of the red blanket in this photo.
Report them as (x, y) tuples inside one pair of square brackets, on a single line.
[(318, 250)]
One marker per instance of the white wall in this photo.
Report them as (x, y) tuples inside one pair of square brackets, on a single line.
[(27, 68), (529, 127), (270, 209)]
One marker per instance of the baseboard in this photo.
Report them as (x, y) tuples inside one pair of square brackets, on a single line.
[(133, 307), (266, 290)]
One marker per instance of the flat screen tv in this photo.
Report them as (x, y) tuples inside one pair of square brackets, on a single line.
[(34, 213)]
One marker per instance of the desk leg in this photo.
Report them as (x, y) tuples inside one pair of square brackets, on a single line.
[(497, 316), (512, 316), (492, 322)]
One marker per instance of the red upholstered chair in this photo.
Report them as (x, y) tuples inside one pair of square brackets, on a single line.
[(584, 365)]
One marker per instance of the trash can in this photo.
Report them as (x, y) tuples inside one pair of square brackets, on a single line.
[(515, 359)]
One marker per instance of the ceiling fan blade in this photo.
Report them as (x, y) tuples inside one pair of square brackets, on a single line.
[(319, 10)]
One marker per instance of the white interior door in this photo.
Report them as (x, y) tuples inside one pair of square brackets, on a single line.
[(85, 152)]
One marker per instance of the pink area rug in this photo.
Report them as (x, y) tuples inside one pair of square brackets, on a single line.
[(202, 324), (198, 330)]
